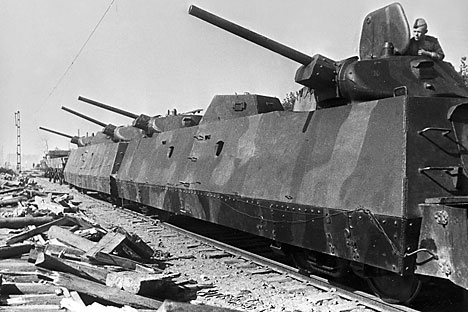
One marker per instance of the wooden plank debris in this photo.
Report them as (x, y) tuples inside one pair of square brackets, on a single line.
[(56, 264), (138, 283), (33, 308), (46, 204), (27, 277), (10, 190), (30, 299), (137, 244), (67, 251), (21, 222), (11, 201), (62, 251), (14, 250), (70, 238), (107, 244), (40, 229), (105, 292), (104, 258), (15, 264), (84, 221), (26, 288)]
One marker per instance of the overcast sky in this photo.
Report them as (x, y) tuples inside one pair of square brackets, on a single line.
[(148, 56)]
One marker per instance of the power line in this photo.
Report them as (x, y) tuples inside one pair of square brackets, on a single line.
[(81, 50)]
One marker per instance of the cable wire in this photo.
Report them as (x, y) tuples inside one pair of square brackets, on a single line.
[(81, 50)]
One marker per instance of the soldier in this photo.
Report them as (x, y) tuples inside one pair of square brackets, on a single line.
[(421, 44)]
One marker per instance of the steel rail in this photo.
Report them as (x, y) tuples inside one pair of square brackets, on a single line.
[(359, 297), (362, 298)]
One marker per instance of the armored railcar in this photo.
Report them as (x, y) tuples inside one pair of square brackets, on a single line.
[(369, 175), (92, 165), (349, 184)]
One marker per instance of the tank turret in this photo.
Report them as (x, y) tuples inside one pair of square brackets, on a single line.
[(155, 124), (381, 71), (114, 132), (143, 122), (74, 139)]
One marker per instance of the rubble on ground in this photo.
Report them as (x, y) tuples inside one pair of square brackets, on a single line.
[(53, 257)]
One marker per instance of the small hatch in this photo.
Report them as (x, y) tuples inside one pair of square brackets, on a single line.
[(239, 106), (423, 69)]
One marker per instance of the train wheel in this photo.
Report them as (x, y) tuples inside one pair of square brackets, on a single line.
[(313, 262), (393, 288)]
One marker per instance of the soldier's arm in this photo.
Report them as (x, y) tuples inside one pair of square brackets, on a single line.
[(436, 52)]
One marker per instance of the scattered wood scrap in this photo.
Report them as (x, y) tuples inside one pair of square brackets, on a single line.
[(14, 250), (107, 293), (55, 258), (24, 198), (37, 230)]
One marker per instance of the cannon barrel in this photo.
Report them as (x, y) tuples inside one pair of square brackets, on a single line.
[(108, 107), (249, 35), (140, 122), (74, 139), (56, 132), (84, 116)]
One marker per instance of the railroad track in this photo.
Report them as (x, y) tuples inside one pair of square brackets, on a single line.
[(318, 291), (224, 267), (352, 299)]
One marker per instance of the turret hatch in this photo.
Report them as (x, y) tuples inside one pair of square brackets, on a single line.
[(388, 24)]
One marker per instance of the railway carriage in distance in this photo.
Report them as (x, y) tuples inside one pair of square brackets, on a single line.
[(54, 163), (368, 175)]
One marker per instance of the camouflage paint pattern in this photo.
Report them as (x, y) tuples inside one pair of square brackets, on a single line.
[(344, 180), (349, 180), (90, 167)]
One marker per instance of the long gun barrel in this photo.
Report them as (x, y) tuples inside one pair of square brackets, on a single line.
[(143, 122), (108, 107), (84, 116), (56, 132), (317, 72), (74, 139), (251, 36)]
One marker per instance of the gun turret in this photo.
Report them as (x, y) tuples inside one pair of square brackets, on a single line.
[(74, 139), (143, 122), (379, 74), (317, 72), (108, 128), (122, 133)]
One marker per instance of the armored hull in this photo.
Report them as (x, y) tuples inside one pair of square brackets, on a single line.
[(91, 167), (326, 180)]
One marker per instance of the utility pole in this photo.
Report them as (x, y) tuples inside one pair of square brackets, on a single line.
[(18, 141)]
